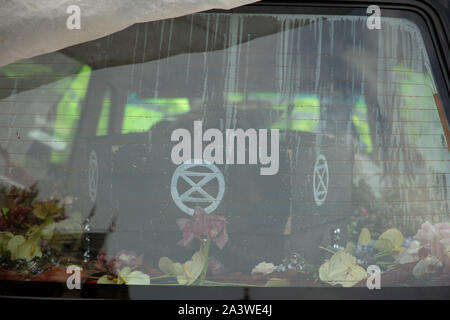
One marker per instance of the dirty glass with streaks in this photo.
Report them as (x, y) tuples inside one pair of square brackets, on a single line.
[(342, 161)]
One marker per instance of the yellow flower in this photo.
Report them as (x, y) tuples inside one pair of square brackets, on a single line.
[(128, 277), (191, 269), (22, 248), (342, 269), (364, 236), (187, 272), (395, 237), (169, 267), (106, 280)]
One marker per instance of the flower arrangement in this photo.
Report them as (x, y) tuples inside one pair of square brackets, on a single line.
[(211, 228), (424, 257), (428, 253), (293, 270), (33, 233), (347, 267), (206, 228), (374, 212)]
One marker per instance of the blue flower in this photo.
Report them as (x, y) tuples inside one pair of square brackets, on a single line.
[(407, 242)]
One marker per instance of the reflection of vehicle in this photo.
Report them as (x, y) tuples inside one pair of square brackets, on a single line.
[(336, 91), (127, 174)]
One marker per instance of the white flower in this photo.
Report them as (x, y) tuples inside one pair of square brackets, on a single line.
[(47, 232), (264, 268), (136, 277), (70, 225), (409, 255)]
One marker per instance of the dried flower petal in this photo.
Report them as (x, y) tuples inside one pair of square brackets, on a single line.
[(203, 225)]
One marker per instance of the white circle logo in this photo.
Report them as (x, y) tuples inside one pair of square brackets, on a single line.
[(206, 174), (320, 180), (93, 176)]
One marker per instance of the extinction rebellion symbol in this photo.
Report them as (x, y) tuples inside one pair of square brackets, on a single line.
[(197, 175), (320, 180)]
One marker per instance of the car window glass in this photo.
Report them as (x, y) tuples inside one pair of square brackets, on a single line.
[(259, 143)]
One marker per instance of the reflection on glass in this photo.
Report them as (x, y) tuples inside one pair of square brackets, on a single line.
[(86, 156)]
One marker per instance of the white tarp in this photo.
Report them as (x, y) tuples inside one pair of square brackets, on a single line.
[(29, 28)]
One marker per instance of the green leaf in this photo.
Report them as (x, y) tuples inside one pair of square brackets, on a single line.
[(5, 212)]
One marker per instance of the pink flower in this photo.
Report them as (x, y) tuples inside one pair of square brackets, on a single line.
[(426, 233), (203, 225), (128, 259), (437, 237), (124, 258), (364, 212)]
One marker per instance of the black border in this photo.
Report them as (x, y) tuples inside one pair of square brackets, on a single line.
[(54, 290)]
